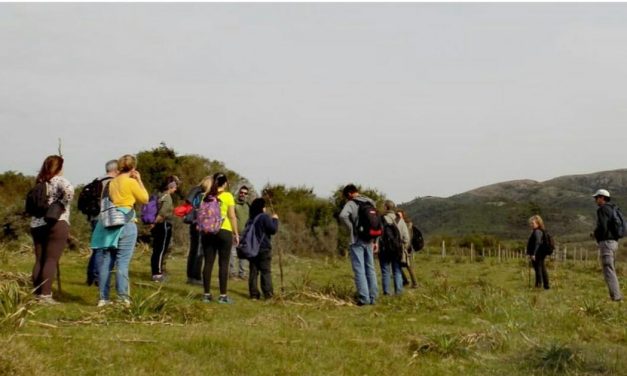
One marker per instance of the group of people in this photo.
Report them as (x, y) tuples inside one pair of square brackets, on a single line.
[(122, 189), (364, 246), (606, 233)]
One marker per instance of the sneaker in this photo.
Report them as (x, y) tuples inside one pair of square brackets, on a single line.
[(207, 298), (124, 302), (102, 303), (46, 299), (159, 278), (223, 299)]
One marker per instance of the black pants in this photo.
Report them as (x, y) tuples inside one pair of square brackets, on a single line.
[(260, 265), (161, 236), (216, 244), (542, 277), (195, 256), (49, 241)]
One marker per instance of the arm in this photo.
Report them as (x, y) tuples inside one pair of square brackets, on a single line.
[(270, 225), (139, 191), (602, 221), (230, 212), (345, 216), (402, 228), (537, 237)]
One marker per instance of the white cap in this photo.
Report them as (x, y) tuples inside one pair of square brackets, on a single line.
[(601, 192)]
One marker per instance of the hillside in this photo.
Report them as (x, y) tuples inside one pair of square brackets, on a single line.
[(502, 209)]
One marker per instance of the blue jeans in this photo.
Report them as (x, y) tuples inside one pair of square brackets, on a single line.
[(121, 258), (362, 261), (391, 268)]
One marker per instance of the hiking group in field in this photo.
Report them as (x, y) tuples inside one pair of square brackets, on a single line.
[(238, 233)]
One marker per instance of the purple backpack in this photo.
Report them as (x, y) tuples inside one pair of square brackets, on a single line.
[(150, 210), (208, 217)]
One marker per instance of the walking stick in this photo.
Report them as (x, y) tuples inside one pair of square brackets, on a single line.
[(59, 277), (267, 194), (529, 270)]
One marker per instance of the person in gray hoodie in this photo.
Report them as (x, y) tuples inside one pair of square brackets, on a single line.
[(389, 261), (361, 250)]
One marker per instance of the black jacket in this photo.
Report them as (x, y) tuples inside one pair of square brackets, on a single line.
[(604, 217), (534, 244)]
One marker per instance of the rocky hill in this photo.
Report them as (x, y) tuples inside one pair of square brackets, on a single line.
[(502, 209)]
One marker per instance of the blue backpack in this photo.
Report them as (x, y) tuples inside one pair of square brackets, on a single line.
[(250, 243)]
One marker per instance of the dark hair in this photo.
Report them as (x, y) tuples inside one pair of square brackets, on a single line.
[(348, 190), (51, 167), (244, 187), (172, 179), (219, 179), (256, 207)]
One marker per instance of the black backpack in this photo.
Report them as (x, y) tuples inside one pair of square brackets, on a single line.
[(417, 240), (617, 223), (548, 243), (391, 244), (90, 196), (368, 221), (37, 200)]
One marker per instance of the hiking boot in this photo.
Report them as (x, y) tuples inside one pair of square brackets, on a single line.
[(223, 299), (103, 302), (207, 298)]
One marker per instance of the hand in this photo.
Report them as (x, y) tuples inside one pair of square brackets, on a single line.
[(275, 216), (533, 258), (134, 174), (375, 247), (236, 240)]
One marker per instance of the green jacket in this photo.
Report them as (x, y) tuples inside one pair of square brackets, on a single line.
[(242, 212)]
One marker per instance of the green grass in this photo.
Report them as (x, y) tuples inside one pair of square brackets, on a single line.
[(475, 319)]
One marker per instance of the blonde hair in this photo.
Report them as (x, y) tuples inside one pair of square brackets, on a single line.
[(538, 220), (206, 183), (127, 163)]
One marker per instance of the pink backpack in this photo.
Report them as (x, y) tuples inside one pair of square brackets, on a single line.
[(209, 220)]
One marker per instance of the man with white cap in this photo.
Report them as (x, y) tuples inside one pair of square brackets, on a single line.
[(607, 235)]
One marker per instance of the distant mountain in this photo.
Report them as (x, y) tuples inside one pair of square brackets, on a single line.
[(502, 209)]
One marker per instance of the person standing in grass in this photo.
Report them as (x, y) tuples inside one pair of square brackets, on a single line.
[(194, 257), (390, 259), (111, 171), (409, 260), (242, 209), (161, 230), (362, 248), (220, 244), (50, 235), (118, 243), (261, 265), (607, 235), (536, 250)]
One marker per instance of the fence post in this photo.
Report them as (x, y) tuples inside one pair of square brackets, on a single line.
[(443, 248), (499, 252), (472, 252)]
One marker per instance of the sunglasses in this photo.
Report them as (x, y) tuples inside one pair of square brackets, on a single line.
[(243, 193)]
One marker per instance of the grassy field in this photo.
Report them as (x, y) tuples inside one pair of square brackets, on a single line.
[(476, 318)]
